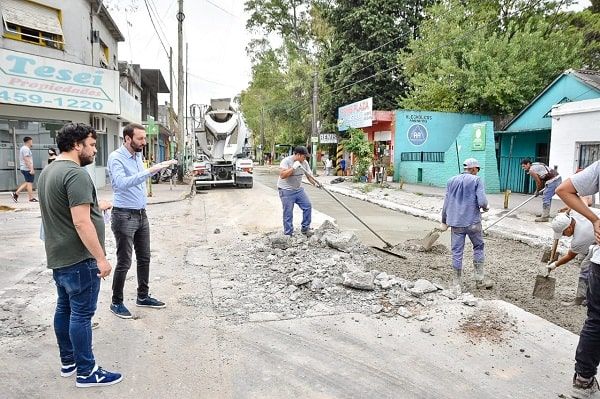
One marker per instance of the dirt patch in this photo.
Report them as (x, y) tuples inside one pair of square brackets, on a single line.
[(513, 267), (488, 324), (4, 208)]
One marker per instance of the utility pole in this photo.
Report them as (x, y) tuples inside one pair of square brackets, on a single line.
[(315, 133), (185, 132), (262, 135), (171, 76), (180, 111)]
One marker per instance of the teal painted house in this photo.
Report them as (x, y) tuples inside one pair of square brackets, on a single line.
[(528, 134), (431, 146)]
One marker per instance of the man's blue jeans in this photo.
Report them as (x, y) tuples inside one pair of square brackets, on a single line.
[(587, 356), (457, 240), (549, 191), (77, 287), (288, 199)]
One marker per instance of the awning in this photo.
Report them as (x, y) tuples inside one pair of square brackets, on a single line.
[(31, 15)]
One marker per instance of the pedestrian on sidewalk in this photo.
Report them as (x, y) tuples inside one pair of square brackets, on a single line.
[(328, 166), (27, 170), (289, 186), (465, 197), (343, 166), (582, 231), (587, 355), (129, 221), (74, 243), (546, 179)]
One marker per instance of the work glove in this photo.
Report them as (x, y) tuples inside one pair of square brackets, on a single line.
[(536, 193), (318, 185), (442, 227), (551, 266), (296, 165)]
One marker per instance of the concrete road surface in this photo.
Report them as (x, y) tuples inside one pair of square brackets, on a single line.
[(191, 350)]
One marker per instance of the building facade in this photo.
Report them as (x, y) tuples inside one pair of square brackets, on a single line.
[(430, 147), (58, 64), (528, 135)]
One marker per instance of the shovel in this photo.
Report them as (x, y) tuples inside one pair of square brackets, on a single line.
[(430, 239), (387, 244), (545, 286)]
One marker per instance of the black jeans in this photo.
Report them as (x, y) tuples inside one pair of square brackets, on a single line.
[(587, 356), (131, 230)]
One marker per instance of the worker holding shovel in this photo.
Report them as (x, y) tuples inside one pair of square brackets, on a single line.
[(465, 196), (582, 233), (546, 182), (587, 355)]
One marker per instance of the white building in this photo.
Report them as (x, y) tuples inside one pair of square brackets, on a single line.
[(58, 64), (575, 136)]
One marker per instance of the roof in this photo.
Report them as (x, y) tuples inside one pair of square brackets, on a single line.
[(587, 77), (102, 13), (153, 79)]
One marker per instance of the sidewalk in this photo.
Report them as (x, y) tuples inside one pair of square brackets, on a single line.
[(427, 202)]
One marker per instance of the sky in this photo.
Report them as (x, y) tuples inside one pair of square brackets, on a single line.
[(215, 31)]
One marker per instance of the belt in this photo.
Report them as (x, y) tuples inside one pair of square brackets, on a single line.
[(134, 211)]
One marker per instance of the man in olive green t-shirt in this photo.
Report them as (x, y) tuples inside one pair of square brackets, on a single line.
[(74, 240)]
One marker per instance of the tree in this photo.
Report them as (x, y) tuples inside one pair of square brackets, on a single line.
[(361, 61), (489, 57), (362, 150)]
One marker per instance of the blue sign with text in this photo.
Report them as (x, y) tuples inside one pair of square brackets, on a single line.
[(417, 134)]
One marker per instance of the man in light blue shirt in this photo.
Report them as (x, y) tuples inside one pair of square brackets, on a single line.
[(465, 196), (129, 222)]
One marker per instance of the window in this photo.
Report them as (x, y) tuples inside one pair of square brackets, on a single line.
[(104, 54), (422, 156), (102, 146), (588, 154), (32, 23)]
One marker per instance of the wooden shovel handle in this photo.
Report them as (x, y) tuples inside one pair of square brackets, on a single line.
[(553, 252)]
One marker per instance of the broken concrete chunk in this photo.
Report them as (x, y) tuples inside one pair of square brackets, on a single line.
[(426, 329), (317, 284), (402, 311), (280, 241), (376, 309), (344, 241), (359, 280), (386, 284), (299, 279), (382, 276), (422, 287), (217, 231)]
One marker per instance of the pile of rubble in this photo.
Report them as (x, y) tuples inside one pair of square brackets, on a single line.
[(331, 272)]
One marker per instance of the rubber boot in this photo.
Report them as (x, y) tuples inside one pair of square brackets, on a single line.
[(579, 294), (545, 214), (457, 281), (480, 280)]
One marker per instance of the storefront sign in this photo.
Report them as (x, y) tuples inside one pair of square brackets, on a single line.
[(328, 138), (35, 81), (314, 139), (357, 115), (417, 134), (478, 137), (383, 136)]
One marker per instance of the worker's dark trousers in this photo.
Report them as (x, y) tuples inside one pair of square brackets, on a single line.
[(587, 355)]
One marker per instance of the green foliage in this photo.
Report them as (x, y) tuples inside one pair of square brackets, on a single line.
[(588, 22), (355, 67), (362, 150), (483, 57)]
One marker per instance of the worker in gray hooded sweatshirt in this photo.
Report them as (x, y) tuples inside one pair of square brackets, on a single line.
[(582, 233), (465, 196)]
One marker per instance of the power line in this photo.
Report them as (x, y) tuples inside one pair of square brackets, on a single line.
[(222, 9), (160, 21), (155, 30)]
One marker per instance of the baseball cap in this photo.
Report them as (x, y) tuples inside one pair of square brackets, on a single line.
[(559, 224), (301, 150), (471, 163)]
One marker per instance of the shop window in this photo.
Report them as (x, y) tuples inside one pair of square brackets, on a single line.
[(102, 146), (32, 23), (104, 55)]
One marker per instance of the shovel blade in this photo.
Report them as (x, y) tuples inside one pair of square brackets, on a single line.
[(544, 287), (430, 239)]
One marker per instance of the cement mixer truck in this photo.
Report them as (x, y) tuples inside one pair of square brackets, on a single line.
[(222, 147)]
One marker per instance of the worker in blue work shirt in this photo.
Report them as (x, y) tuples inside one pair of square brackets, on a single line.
[(465, 198)]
